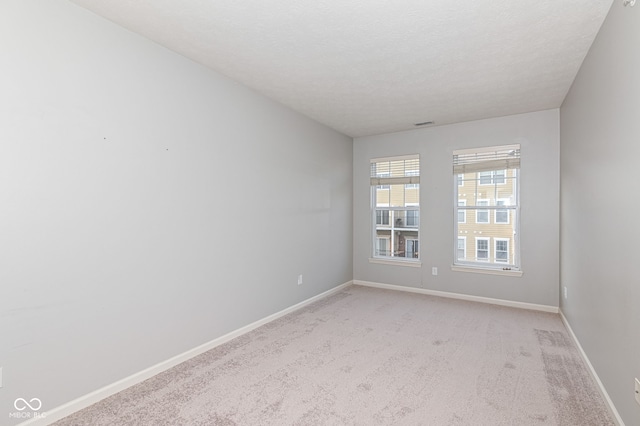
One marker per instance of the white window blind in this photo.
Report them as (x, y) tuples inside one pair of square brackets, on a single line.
[(486, 159), (397, 170)]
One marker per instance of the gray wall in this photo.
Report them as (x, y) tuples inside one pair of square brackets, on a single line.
[(538, 135), (600, 146), (148, 204)]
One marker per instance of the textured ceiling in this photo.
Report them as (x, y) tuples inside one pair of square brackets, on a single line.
[(366, 67)]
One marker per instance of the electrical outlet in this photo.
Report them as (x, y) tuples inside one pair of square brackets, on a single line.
[(434, 270), (637, 391), (565, 291), (300, 279)]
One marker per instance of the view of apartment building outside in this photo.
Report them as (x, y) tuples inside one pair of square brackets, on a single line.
[(486, 207), (395, 186), (486, 219)]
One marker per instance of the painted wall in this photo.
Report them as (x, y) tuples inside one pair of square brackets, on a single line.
[(600, 134), (538, 135), (148, 205)]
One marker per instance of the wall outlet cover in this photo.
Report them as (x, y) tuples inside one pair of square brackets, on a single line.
[(637, 391)]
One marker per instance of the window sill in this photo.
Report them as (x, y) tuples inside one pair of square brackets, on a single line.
[(489, 271), (409, 263)]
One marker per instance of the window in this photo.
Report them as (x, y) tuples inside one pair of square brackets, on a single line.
[(382, 246), (395, 201), (502, 215), (412, 249), (482, 249), (462, 247), (482, 216), (501, 250), (462, 214), (412, 218), (486, 187), (382, 217), (485, 178), (493, 177)]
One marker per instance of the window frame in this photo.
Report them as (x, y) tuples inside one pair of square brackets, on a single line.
[(404, 219), (506, 175)]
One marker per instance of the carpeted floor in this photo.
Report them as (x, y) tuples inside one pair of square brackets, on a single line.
[(367, 356)]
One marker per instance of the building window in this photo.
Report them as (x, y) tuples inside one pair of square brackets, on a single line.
[(413, 217), (501, 253), (462, 214), (502, 215), (382, 217), (482, 249), (412, 249), (462, 248), (395, 200), (482, 216), (492, 177), (382, 246), (489, 193)]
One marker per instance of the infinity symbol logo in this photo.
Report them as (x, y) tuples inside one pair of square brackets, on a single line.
[(21, 404)]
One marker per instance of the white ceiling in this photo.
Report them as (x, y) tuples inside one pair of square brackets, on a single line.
[(366, 67)]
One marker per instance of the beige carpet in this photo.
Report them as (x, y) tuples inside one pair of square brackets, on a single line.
[(375, 357)]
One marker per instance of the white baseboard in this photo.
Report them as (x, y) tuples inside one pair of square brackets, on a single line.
[(501, 302), (603, 391), (100, 394)]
